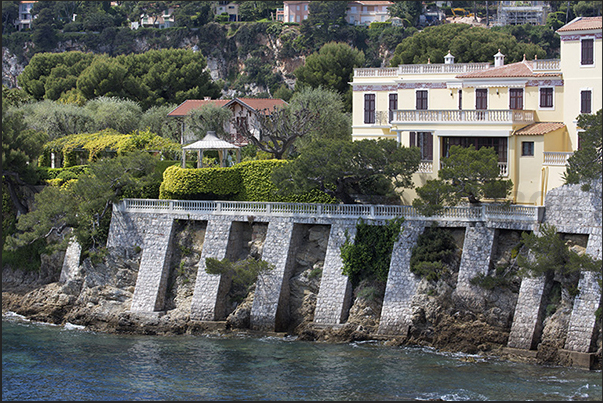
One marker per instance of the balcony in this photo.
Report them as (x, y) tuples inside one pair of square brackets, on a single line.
[(509, 116), (439, 68), (556, 158)]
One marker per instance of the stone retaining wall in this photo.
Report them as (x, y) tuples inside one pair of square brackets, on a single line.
[(568, 208)]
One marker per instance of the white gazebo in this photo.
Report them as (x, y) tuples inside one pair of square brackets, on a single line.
[(210, 142)]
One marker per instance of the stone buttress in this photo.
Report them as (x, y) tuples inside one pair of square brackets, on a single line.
[(272, 288), (401, 285), (208, 296), (475, 259), (149, 293), (335, 293)]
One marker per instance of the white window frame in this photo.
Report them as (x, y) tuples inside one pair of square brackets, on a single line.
[(588, 66), (546, 108)]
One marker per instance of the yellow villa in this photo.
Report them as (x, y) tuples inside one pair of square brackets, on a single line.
[(526, 111)]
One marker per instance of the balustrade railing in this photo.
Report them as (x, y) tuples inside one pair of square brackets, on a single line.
[(455, 115), (556, 158), (547, 64), (436, 68), (465, 213)]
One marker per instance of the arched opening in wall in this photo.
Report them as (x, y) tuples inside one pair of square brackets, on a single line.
[(187, 244), (559, 295), (437, 256), (366, 262), (502, 282), (305, 274), (246, 241)]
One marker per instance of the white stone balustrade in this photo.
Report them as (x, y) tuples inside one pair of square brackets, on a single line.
[(485, 212), (455, 115)]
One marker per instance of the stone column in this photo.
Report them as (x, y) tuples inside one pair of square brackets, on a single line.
[(272, 287), (581, 333), (208, 296), (335, 293), (149, 294), (71, 262), (396, 314), (527, 320), (477, 252)]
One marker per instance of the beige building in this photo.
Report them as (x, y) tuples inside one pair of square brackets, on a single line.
[(358, 12), (526, 111)]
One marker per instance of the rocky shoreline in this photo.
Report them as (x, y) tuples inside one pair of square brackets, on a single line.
[(98, 297)]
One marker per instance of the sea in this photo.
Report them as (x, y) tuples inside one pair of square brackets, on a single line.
[(54, 363)]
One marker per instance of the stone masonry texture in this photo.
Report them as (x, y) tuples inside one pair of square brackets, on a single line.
[(402, 284), (571, 210)]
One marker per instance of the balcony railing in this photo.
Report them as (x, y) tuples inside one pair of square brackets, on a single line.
[(547, 64), (503, 168), (425, 167), (466, 213), (455, 115), (438, 68), (556, 158)]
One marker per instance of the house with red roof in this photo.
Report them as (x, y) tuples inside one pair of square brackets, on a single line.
[(527, 111), (244, 111)]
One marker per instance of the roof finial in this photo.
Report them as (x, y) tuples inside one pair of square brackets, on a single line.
[(535, 57), (524, 57), (429, 60)]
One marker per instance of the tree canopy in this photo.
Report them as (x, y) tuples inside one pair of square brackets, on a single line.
[(332, 67), (85, 204), (279, 128), (342, 168), (153, 78), (466, 43), (465, 173), (586, 163)]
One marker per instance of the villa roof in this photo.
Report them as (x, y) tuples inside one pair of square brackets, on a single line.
[(538, 129), (582, 24), (254, 104), (520, 69)]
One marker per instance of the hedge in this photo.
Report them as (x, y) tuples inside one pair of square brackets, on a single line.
[(246, 181)]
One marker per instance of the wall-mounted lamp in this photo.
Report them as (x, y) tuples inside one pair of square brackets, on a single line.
[(450, 92), (497, 91)]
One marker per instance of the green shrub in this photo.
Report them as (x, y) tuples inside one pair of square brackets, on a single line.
[(433, 252)]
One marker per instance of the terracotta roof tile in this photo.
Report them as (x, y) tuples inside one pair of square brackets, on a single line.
[(581, 24), (536, 129), (520, 69), (254, 103), (191, 104)]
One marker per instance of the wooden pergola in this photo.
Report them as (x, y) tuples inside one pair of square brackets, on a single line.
[(210, 142)]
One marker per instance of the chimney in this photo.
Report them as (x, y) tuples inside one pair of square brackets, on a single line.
[(448, 59), (207, 98), (499, 59)]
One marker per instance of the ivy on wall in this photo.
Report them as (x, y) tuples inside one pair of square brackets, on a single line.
[(368, 256)]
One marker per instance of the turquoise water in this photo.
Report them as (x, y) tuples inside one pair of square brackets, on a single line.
[(43, 362)]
